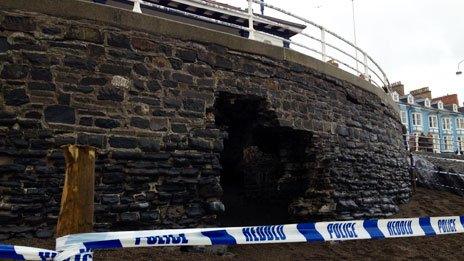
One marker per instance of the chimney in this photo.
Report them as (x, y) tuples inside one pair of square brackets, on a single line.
[(422, 93), (397, 87)]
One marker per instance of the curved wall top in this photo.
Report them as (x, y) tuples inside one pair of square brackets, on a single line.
[(126, 19)]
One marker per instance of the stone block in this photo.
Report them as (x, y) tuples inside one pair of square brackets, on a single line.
[(16, 97), (115, 69), (37, 58), (81, 89), (195, 105), (149, 216), (100, 81), (41, 86), (33, 115), (200, 144), (51, 30), (79, 63), (142, 44), (195, 211), (140, 69), (182, 77), (41, 74), (189, 56), (118, 40), (139, 122), (176, 64), (86, 121), (154, 86), (95, 51), (110, 199), (4, 45), (60, 114), (159, 124), (15, 71), (199, 70), (178, 128), (19, 23), (64, 140), (123, 142), (107, 123), (223, 63), (83, 33), (45, 233), (111, 94), (95, 140), (130, 216)]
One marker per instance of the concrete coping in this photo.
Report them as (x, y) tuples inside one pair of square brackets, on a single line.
[(79, 9)]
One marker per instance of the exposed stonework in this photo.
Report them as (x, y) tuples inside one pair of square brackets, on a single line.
[(147, 102)]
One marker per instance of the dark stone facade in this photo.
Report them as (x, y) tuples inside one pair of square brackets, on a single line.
[(149, 103)]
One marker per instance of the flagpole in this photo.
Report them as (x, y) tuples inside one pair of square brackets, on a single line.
[(354, 35)]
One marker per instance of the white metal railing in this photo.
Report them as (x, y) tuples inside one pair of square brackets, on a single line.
[(418, 142), (345, 54)]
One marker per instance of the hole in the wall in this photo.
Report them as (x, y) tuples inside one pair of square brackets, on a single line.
[(265, 166)]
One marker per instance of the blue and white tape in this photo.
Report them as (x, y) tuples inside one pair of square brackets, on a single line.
[(80, 246), (31, 253), (25, 253)]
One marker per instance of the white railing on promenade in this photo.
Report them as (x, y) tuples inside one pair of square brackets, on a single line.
[(343, 52), (418, 142)]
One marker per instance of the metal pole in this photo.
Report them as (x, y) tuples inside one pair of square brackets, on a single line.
[(354, 35), (323, 44), (251, 29), (458, 72), (137, 8)]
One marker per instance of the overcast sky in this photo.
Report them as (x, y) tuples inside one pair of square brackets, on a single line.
[(417, 42)]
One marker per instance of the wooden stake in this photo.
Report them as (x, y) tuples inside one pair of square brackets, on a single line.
[(76, 213)]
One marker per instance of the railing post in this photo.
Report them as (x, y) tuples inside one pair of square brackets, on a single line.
[(408, 147), (251, 30), (416, 141), (137, 8), (366, 67), (323, 45), (459, 146)]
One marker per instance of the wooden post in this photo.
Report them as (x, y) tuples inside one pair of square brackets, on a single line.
[(76, 213)]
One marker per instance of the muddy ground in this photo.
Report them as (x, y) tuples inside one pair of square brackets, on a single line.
[(424, 203)]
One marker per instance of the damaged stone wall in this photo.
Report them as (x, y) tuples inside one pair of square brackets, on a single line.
[(146, 101)]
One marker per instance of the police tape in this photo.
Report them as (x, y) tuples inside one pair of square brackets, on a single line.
[(25, 253), (80, 246)]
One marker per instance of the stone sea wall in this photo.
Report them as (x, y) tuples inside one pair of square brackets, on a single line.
[(146, 101)]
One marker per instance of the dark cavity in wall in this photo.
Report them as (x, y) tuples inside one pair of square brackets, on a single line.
[(265, 166)]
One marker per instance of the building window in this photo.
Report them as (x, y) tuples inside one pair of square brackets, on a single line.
[(416, 119), (410, 99), (433, 122), (446, 124), (448, 143), (404, 118), (440, 105), (396, 96), (427, 103), (460, 123), (455, 107), (460, 143), (436, 143)]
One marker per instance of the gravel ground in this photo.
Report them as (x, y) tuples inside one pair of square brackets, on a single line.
[(425, 203)]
